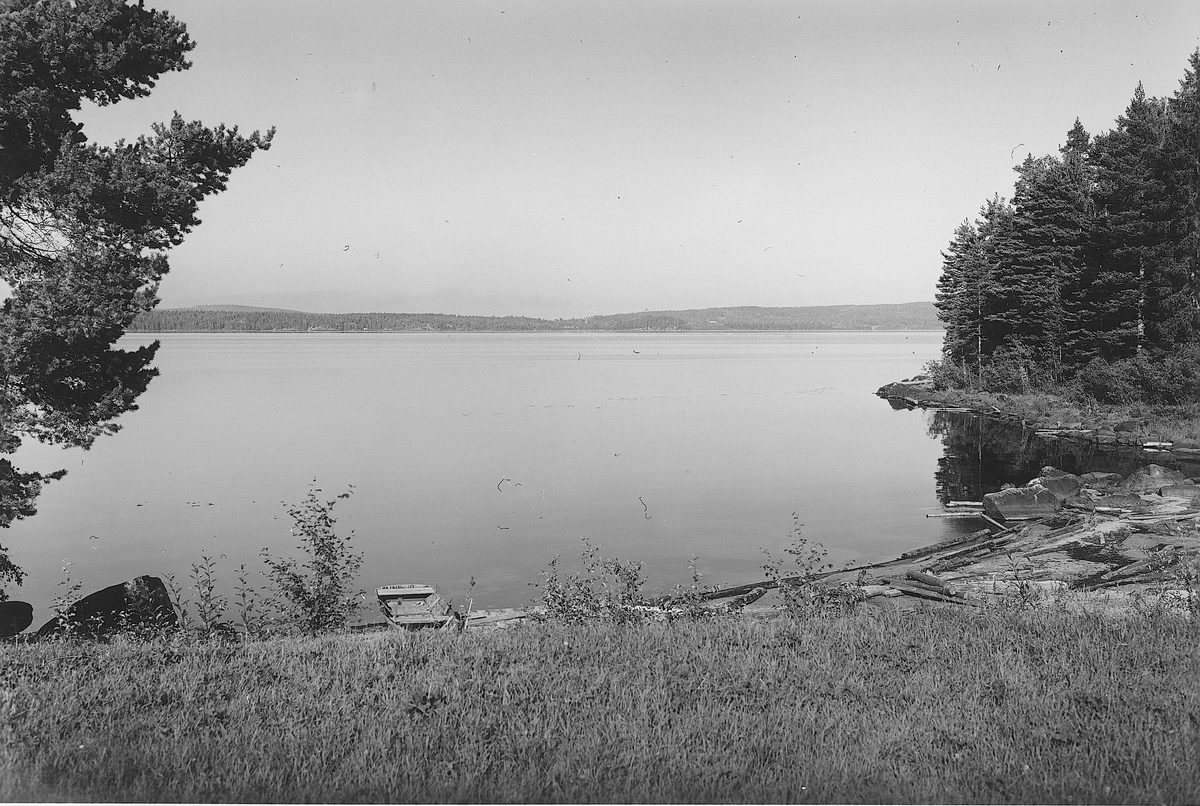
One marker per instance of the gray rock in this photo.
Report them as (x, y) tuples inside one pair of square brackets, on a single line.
[(1097, 480), (1123, 501), (14, 617), (1030, 501), (1062, 484), (1080, 502), (143, 601), (1151, 479)]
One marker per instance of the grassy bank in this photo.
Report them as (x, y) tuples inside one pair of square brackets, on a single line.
[(928, 706)]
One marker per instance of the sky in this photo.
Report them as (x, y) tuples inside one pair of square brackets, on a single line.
[(571, 158)]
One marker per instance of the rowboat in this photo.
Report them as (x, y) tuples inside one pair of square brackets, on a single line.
[(413, 606)]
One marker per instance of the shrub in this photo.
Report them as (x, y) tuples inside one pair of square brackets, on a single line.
[(604, 589), (210, 605), (946, 374), (803, 594), (1172, 378), (316, 595), (1014, 370)]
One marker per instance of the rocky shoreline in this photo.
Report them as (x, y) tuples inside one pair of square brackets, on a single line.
[(1119, 540), (919, 392)]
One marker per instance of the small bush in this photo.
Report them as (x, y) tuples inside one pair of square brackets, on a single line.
[(946, 374), (1014, 370), (803, 594), (604, 589), (316, 595), (210, 605)]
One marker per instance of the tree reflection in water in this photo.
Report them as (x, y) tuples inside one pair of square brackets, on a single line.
[(982, 454)]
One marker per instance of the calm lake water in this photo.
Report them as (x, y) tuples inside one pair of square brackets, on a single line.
[(485, 455)]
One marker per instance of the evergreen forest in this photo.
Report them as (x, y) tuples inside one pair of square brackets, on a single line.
[(1088, 279)]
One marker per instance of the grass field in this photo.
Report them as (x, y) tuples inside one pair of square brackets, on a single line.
[(881, 706)]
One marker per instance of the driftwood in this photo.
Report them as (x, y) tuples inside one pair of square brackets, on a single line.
[(995, 523), (738, 602), (1141, 566), (950, 565), (945, 544), (480, 618), (915, 589), (931, 581), (963, 514), (1153, 519)]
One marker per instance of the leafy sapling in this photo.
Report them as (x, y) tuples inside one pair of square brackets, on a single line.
[(316, 594)]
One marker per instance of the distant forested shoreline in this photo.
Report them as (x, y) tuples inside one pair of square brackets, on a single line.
[(245, 319)]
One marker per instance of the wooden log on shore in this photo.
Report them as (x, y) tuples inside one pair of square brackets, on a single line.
[(1153, 519), (995, 523), (969, 513), (738, 602), (931, 581), (1141, 566), (710, 595), (945, 544), (913, 589), (481, 618), (964, 504), (950, 565), (1141, 578), (986, 547)]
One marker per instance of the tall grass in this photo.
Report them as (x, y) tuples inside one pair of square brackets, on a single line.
[(883, 706)]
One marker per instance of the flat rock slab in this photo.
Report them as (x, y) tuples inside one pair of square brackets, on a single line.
[(1098, 480), (1133, 503), (1187, 492), (1034, 501)]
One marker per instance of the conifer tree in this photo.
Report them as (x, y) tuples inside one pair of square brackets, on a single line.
[(1127, 234), (995, 228), (1173, 295), (84, 228), (955, 308)]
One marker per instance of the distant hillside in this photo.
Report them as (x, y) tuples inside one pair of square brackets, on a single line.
[(247, 319), (905, 316)]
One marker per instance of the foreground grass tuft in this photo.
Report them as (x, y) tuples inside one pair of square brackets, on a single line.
[(932, 706)]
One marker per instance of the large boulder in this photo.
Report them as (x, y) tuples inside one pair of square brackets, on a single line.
[(14, 617), (1031, 501), (1185, 492), (1151, 479), (143, 601), (1061, 483)]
